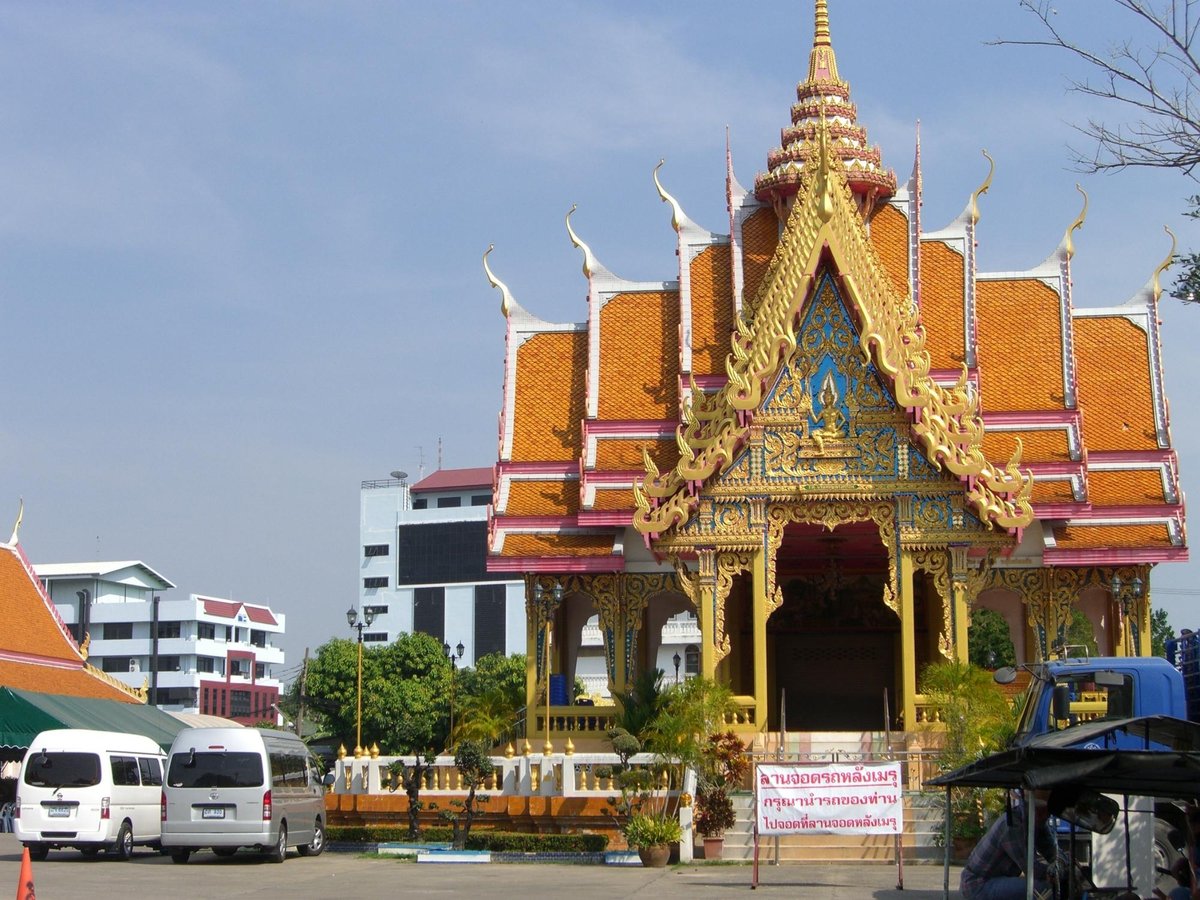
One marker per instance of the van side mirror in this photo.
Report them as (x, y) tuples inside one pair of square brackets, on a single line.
[(1062, 702), (328, 779)]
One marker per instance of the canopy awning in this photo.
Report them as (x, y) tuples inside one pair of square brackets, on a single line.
[(1166, 764), (25, 713)]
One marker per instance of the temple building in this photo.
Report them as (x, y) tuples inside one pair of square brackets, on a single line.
[(833, 439)]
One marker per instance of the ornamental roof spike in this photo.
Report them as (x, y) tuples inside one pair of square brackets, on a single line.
[(982, 189), (1155, 286), (589, 259), (678, 217), (12, 541), (1066, 249), (824, 93), (507, 303)]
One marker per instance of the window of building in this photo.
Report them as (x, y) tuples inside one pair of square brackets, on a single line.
[(258, 638), (260, 670), (205, 664), (376, 581), (376, 637), (118, 631), (168, 664), (489, 619), (429, 612), (115, 664), (443, 553), (377, 610), (239, 703), (449, 502), (239, 667), (206, 631), (421, 503), (375, 550), (169, 629), (481, 499), (691, 657)]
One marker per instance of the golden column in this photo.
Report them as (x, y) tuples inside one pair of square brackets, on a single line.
[(1129, 601), (352, 618), (539, 595)]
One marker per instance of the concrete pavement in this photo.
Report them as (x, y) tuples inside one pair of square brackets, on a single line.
[(68, 874)]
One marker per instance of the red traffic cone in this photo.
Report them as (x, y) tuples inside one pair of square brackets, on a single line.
[(25, 882)]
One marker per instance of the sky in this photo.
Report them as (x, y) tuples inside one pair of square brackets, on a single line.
[(240, 243)]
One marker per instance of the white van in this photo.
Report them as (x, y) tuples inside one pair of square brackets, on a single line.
[(92, 790), (242, 787)]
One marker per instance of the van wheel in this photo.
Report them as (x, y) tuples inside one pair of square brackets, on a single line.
[(278, 853), (122, 848), (38, 852), (318, 841), (180, 856)]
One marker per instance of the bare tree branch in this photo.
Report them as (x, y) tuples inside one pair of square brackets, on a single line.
[(1155, 84)]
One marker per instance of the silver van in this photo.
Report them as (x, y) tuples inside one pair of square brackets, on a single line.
[(242, 787)]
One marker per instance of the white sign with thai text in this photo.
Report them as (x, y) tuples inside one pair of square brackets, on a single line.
[(842, 799)]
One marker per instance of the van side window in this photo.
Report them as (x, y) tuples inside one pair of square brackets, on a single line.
[(289, 772), (125, 770), (150, 769)]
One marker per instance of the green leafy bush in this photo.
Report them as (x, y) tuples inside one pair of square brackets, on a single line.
[(652, 830), (495, 841)]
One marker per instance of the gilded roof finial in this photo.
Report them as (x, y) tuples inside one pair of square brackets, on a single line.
[(1068, 243), (822, 64), (588, 259), (12, 541), (506, 300), (1156, 288), (677, 215), (982, 189)]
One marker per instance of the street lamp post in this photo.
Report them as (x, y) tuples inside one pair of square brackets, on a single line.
[(352, 618), (451, 655), (538, 595), (675, 659), (1127, 597)]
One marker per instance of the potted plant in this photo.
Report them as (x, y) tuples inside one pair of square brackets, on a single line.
[(714, 816), (652, 834)]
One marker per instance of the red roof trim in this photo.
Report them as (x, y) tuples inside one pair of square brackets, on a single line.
[(454, 479)]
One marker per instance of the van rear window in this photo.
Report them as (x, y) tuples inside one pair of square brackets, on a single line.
[(57, 770), (209, 770)]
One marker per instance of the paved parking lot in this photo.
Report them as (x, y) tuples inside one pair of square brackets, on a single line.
[(68, 874)]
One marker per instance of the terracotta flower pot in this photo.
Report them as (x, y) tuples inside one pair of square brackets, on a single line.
[(655, 856), (714, 846)]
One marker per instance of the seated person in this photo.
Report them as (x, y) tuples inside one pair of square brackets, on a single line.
[(994, 869)]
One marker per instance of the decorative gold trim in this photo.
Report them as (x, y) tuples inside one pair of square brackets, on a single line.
[(982, 189), (1156, 289), (506, 298), (1068, 242), (677, 214), (589, 260)]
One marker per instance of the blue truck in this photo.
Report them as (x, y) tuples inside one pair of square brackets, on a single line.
[(1068, 692)]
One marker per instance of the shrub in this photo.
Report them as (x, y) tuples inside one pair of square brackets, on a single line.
[(714, 812), (496, 841), (652, 829)]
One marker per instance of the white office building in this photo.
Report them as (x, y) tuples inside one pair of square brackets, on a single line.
[(423, 568), (200, 655)]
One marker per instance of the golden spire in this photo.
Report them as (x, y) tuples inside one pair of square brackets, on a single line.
[(1068, 244), (506, 299), (822, 65), (982, 189), (1156, 288), (589, 260)]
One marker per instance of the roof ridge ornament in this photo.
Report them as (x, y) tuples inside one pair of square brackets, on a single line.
[(589, 259), (983, 188), (822, 64), (1068, 244), (506, 297), (12, 541), (1156, 287), (678, 217)]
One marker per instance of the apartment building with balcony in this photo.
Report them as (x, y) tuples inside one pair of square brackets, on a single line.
[(201, 655)]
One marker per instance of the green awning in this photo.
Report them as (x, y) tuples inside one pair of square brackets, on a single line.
[(25, 713)]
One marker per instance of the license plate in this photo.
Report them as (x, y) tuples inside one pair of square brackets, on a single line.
[(212, 812), (58, 812)]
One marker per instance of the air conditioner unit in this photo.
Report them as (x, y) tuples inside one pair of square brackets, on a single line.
[(133, 666)]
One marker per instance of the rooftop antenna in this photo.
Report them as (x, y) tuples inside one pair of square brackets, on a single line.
[(439, 468), (420, 463)]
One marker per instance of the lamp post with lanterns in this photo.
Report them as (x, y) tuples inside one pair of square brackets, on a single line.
[(1127, 597), (358, 624), (675, 659), (454, 656)]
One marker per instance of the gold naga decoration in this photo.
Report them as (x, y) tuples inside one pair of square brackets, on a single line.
[(947, 424)]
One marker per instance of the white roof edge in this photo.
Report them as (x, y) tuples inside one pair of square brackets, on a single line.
[(94, 569)]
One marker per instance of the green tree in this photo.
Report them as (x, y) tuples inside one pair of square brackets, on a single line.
[(1081, 633), (488, 698), (471, 760), (1160, 632), (989, 643)]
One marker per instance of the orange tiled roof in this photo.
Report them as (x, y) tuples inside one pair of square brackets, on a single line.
[(760, 237), (1114, 384), (889, 237), (712, 309), (639, 356), (1037, 445), (78, 682), (542, 498), (1127, 487), (942, 311), (1058, 491), (524, 545), (1099, 537), (614, 500), (1020, 345), (549, 403), (626, 453)]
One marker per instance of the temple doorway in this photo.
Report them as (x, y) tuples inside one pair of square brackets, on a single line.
[(833, 645)]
